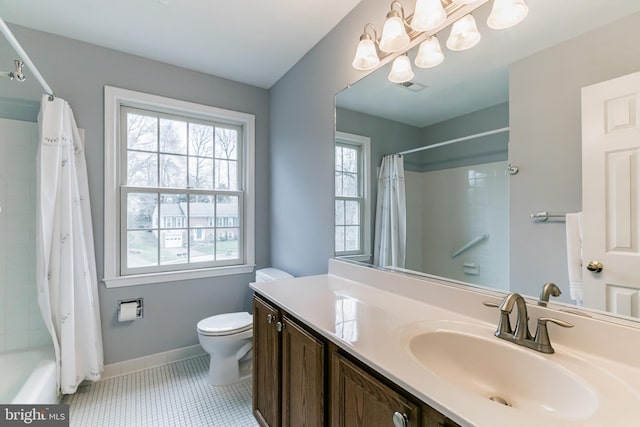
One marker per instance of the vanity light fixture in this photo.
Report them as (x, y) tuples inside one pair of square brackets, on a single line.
[(431, 16), (394, 34), (464, 34), (401, 70)]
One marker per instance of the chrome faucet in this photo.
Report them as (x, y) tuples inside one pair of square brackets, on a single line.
[(521, 335), (549, 289)]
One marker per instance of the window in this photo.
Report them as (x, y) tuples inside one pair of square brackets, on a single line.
[(173, 167), (352, 203)]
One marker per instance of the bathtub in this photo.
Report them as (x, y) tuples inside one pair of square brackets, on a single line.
[(28, 376)]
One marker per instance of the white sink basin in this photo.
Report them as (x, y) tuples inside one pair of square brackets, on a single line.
[(505, 373)]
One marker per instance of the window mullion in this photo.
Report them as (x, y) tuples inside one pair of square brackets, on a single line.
[(188, 228)]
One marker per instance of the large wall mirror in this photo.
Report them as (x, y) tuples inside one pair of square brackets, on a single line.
[(513, 101)]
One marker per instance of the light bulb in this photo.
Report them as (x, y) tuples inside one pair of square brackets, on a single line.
[(429, 14), (366, 56), (464, 34), (507, 13), (401, 70), (394, 35), (429, 54)]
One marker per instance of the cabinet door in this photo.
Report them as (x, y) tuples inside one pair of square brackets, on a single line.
[(266, 364), (302, 377), (360, 400), (433, 418)]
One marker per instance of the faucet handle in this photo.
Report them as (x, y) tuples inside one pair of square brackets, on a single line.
[(504, 324), (544, 320), (542, 334)]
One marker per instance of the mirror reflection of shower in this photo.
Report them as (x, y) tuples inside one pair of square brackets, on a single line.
[(17, 73)]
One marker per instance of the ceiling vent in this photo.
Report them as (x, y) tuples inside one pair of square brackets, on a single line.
[(411, 86)]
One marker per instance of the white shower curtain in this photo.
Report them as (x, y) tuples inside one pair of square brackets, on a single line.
[(66, 271), (391, 212)]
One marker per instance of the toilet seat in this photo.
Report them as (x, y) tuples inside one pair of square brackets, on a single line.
[(225, 324)]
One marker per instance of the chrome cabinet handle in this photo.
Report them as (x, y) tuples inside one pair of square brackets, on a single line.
[(279, 326), (595, 266), (400, 419), (271, 318)]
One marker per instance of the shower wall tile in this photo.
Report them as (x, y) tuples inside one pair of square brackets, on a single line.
[(17, 322), (459, 204), (16, 341), (39, 338), (21, 325)]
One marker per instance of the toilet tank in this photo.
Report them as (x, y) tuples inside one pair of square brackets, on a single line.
[(269, 274)]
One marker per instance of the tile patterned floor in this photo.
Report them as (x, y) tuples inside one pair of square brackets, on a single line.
[(173, 395)]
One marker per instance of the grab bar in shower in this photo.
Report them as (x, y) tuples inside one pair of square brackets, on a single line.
[(470, 244), (544, 216)]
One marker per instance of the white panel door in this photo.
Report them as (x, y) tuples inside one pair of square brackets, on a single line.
[(610, 194)]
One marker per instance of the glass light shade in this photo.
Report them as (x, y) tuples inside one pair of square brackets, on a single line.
[(507, 13), (464, 34), (401, 70), (366, 56), (428, 15), (394, 35), (429, 54)]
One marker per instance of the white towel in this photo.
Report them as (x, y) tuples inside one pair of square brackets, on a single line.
[(574, 255)]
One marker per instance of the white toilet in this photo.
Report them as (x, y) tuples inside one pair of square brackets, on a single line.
[(228, 338)]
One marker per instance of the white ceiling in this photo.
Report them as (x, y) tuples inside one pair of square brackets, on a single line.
[(250, 41), (477, 78)]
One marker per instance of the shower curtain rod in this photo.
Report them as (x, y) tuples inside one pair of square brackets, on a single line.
[(25, 58), (452, 141)]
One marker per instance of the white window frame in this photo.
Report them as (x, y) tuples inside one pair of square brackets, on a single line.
[(364, 142), (114, 99)]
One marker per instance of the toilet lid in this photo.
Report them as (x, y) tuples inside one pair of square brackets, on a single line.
[(226, 324)]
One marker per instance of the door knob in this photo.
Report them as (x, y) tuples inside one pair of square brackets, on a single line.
[(595, 266)]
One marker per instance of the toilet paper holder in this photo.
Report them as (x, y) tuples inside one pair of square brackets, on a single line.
[(139, 307)]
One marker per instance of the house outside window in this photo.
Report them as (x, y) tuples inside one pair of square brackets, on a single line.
[(352, 199), (183, 189)]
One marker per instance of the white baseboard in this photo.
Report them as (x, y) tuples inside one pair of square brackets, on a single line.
[(157, 359)]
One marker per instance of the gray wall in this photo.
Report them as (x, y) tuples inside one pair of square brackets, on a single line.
[(388, 136), (302, 145), (545, 117), (78, 72), (487, 149)]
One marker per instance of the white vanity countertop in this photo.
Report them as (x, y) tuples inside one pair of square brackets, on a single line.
[(375, 325)]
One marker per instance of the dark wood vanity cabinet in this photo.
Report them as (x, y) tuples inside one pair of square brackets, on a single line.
[(288, 370), (301, 380)]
